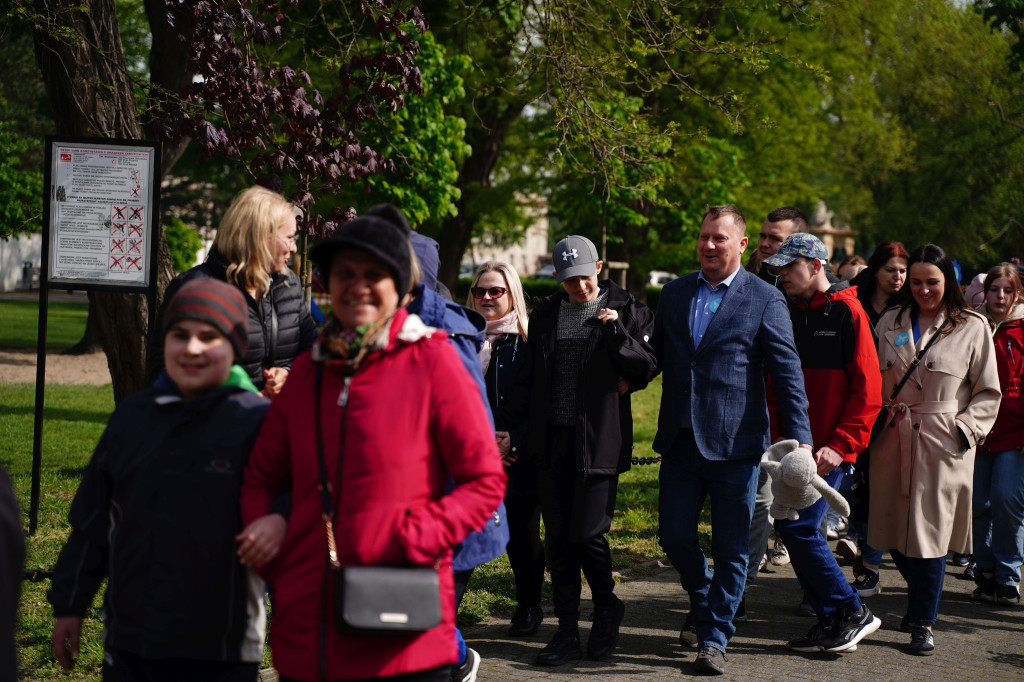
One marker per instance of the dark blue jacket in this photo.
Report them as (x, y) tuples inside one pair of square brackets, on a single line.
[(466, 328), (156, 514), (718, 388)]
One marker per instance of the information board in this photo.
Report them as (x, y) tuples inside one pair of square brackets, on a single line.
[(102, 213)]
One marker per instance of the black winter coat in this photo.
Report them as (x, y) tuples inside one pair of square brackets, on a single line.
[(604, 427), (280, 326), (157, 513), (508, 380)]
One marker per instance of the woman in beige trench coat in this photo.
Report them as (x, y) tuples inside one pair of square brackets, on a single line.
[(922, 462)]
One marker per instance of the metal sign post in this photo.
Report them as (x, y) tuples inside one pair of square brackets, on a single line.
[(100, 233)]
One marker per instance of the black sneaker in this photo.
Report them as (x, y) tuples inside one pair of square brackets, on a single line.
[(922, 642), (526, 621), (688, 634), (811, 642), (960, 560), (986, 592), (467, 671), (1007, 594), (971, 572), (866, 583), (710, 661), (563, 647), (850, 627), (741, 612), (604, 634)]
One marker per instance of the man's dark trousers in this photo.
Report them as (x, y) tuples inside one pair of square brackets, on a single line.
[(577, 513), (731, 485)]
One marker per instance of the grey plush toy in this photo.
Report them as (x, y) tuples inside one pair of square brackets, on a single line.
[(795, 482)]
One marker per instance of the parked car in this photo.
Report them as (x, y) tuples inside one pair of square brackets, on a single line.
[(545, 272), (659, 278)]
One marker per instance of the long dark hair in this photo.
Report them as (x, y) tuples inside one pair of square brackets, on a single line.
[(952, 298)]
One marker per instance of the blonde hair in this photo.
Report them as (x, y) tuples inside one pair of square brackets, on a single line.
[(247, 236), (515, 290)]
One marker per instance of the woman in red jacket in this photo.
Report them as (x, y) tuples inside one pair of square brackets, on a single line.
[(399, 414), (998, 502)]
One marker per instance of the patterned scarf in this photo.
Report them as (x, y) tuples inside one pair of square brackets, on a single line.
[(345, 349)]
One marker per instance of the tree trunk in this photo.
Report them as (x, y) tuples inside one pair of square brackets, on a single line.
[(90, 93), (486, 139)]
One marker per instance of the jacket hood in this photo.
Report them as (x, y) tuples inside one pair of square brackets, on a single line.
[(840, 291), (1016, 312)]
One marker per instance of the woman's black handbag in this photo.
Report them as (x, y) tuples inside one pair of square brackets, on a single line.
[(374, 600)]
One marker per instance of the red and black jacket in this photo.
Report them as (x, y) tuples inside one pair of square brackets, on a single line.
[(840, 364)]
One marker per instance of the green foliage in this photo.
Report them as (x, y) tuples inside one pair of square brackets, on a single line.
[(65, 324), (183, 242), (21, 189)]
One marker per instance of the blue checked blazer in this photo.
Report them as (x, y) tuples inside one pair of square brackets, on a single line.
[(720, 384)]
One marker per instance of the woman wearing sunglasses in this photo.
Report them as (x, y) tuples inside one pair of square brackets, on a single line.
[(497, 294)]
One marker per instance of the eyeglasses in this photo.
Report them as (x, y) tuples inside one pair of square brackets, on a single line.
[(493, 292)]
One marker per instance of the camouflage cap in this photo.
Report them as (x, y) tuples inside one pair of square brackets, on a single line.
[(799, 245)]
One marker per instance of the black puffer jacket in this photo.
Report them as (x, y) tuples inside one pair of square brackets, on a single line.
[(604, 425), (280, 326)]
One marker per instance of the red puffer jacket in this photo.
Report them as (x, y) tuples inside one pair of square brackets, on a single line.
[(1008, 337), (411, 416)]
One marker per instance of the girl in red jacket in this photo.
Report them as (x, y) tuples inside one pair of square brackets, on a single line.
[(400, 414), (998, 502)]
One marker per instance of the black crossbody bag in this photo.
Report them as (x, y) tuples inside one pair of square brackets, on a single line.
[(877, 431), (373, 600)]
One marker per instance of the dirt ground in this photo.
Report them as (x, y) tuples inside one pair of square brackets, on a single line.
[(19, 366)]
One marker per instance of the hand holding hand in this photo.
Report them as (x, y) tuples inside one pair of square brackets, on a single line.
[(261, 540), (505, 446), (275, 378), (608, 315)]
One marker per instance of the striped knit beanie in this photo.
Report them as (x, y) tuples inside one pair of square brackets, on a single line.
[(216, 303)]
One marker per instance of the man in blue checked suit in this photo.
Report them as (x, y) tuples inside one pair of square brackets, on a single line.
[(717, 332)]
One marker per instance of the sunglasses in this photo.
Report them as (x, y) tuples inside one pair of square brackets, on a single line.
[(493, 292)]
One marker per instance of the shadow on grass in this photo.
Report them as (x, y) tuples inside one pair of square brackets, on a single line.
[(61, 414)]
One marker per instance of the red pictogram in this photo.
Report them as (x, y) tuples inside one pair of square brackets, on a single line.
[(134, 230), (117, 244), (117, 229), (115, 262), (134, 246), (133, 262), (119, 212), (65, 157), (136, 213)]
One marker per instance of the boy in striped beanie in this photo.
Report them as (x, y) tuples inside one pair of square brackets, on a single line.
[(156, 513)]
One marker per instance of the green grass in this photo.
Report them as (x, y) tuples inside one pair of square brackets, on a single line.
[(19, 324), (75, 418)]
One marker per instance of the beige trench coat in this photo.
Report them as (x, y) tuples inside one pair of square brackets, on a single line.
[(921, 477)]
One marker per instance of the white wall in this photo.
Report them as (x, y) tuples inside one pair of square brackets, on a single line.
[(13, 254)]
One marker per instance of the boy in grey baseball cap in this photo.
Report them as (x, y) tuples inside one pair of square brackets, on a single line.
[(574, 256)]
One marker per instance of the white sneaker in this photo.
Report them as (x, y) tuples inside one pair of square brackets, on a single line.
[(848, 549), (467, 671), (779, 554)]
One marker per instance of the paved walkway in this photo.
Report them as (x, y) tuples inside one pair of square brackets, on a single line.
[(974, 641)]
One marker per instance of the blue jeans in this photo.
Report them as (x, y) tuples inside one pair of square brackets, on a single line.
[(823, 582), (924, 585), (998, 507), (686, 480)]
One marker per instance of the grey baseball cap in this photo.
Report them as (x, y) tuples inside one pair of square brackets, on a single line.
[(574, 256)]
